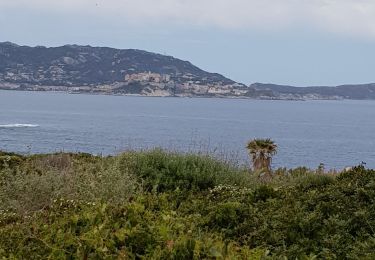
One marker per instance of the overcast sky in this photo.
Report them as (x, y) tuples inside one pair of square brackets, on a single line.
[(299, 42)]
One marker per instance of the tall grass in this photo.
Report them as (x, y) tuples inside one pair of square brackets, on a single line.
[(37, 181)]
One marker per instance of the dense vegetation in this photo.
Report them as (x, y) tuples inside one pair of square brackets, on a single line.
[(160, 205)]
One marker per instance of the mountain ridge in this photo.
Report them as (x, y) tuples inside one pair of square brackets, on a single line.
[(104, 70), (101, 57)]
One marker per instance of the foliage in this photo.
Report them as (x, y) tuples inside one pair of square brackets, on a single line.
[(161, 205), (164, 171)]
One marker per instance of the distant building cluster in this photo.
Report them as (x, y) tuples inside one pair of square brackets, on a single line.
[(148, 77)]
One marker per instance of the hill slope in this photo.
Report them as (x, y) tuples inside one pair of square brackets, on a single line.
[(77, 65), (101, 69)]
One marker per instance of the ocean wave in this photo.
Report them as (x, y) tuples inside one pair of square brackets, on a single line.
[(18, 126)]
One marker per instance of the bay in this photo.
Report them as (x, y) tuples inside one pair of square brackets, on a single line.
[(336, 133)]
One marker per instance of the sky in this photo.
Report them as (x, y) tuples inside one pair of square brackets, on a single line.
[(294, 42)]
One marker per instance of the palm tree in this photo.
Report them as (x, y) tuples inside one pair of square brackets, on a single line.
[(261, 152)]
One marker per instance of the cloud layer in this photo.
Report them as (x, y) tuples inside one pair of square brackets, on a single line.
[(348, 17)]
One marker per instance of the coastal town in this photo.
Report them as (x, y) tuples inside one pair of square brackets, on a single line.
[(145, 83)]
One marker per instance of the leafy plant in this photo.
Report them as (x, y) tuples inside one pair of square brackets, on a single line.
[(261, 152)]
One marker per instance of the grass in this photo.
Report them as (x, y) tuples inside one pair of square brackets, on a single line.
[(36, 181), (164, 205)]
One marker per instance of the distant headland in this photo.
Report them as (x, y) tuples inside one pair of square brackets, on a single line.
[(102, 70)]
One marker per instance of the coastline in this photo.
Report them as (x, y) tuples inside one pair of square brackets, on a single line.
[(103, 93)]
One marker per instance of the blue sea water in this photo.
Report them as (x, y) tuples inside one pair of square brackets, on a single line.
[(336, 133)]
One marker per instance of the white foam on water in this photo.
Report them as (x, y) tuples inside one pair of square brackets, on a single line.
[(18, 125)]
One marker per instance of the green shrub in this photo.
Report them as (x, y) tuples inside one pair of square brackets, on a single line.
[(164, 171), (69, 206), (226, 215), (314, 181), (263, 193), (10, 161)]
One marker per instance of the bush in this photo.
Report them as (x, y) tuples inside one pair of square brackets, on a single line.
[(191, 207), (9, 161), (163, 171), (71, 229), (314, 181)]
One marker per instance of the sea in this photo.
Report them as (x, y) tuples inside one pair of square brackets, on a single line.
[(337, 133)]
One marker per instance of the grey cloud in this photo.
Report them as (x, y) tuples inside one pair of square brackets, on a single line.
[(350, 17)]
